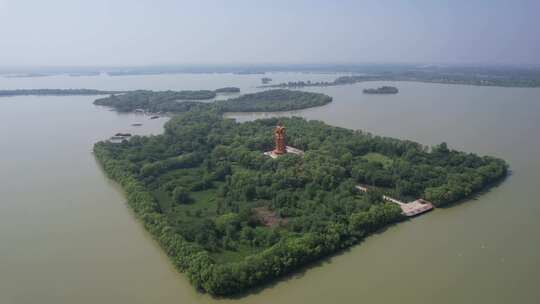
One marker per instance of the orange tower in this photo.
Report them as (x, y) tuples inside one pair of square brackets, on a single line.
[(279, 137)]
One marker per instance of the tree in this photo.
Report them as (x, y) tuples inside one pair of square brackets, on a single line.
[(181, 195)]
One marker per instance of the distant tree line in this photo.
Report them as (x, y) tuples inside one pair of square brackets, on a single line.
[(228, 90), (55, 92), (521, 79)]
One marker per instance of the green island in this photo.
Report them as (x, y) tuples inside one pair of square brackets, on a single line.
[(381, 90), (232, 218), (55, 92), (182, 101)]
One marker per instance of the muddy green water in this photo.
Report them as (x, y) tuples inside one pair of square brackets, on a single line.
[(67, 236)]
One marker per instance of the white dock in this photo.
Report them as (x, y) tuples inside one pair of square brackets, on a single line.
[(409, 209)]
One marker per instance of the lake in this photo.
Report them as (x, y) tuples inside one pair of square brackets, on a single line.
[(67, 235)]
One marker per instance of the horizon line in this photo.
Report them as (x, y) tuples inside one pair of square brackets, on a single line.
[(268, 64)]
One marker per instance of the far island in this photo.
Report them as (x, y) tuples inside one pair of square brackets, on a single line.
[(266, 80), (228, 90), (382, 90)]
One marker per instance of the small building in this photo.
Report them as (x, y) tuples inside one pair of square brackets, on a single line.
[(362, 188)]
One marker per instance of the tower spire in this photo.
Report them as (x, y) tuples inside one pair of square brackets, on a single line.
[(279, 138)]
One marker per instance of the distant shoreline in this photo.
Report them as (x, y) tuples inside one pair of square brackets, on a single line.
[(347, 80), (56, 92), (479, 75)]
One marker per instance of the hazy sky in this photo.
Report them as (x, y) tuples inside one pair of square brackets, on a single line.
[(146, 32)]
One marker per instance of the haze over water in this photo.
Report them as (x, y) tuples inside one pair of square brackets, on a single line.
[(67, 236)]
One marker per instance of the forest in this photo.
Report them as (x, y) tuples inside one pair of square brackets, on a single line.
[(182, 101), (231, 218)]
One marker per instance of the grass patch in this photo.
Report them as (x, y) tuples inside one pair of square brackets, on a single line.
[(378, 158), (227, 256)]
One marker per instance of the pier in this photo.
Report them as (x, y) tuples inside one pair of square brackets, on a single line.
[(409, 209)]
